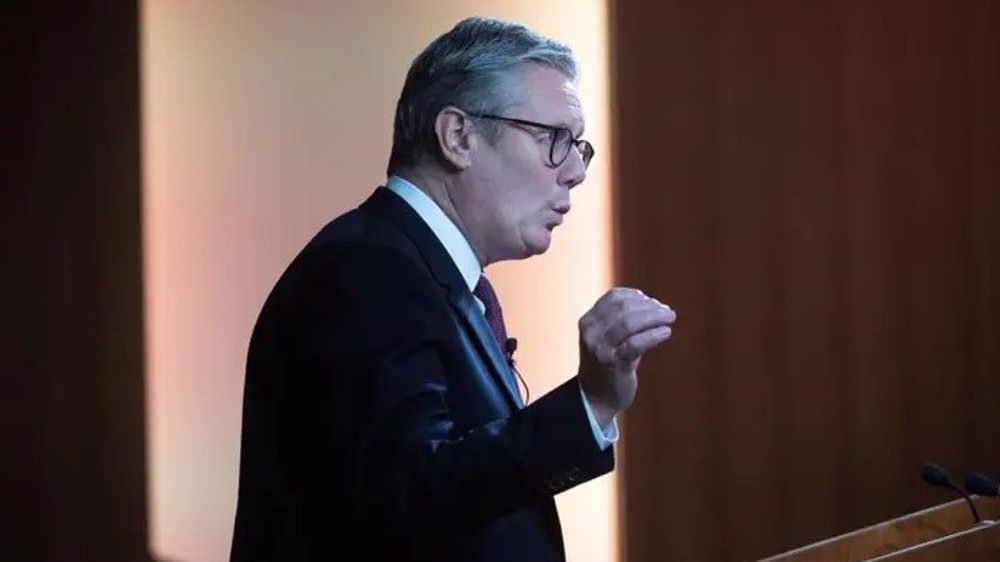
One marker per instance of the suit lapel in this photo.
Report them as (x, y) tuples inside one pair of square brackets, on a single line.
[(476, 323), (389, 205)]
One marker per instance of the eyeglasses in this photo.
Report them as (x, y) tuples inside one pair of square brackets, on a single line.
[(560, 139)]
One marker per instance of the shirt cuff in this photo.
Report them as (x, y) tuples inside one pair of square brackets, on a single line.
[(605, 437)]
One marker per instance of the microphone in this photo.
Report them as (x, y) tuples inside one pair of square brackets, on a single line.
[(511, 346), (936, 475), (981, 485)]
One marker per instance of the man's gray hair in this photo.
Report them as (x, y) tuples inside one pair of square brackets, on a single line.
[(474, 67)]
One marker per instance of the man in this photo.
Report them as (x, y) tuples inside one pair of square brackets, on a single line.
[(381, 417)]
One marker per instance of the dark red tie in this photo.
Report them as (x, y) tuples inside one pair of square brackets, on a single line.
[(494, 317), (494, 314)]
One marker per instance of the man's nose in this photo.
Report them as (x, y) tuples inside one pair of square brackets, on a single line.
[(573, 170)]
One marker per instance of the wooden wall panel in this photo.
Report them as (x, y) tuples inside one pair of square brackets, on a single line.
[(72, 426), (815, 187)]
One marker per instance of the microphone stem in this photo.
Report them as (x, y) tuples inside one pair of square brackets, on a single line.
[(972, 506)]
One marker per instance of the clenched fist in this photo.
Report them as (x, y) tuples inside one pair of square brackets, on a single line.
[(622, 325)]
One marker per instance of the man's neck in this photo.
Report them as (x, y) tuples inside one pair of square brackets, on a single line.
[(439, 189)]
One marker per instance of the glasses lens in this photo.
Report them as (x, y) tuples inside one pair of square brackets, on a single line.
[(586, 151), (562, 140)]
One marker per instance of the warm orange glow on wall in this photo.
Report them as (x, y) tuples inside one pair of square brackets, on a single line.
[(261, 121)]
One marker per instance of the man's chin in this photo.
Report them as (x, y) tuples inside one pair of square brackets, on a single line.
[(536, 243), (539, 244)]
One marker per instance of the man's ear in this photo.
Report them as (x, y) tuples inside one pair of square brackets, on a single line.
[(455, 136)]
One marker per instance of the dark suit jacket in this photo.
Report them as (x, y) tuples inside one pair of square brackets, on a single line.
[(380, 419)]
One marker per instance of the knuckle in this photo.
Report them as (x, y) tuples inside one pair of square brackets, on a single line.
[(638, 305)]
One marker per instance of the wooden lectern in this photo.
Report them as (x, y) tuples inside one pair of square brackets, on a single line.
[(943, 533)]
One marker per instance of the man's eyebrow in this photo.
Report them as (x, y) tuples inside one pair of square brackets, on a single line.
[(571, 127)]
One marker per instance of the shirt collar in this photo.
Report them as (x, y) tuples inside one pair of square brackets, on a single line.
[(450, 236)]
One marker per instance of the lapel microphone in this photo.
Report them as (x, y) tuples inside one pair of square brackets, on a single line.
[(511, 346)]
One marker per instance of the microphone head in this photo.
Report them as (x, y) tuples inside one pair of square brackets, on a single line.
[(511, 345), (935, 475), (981, 485)]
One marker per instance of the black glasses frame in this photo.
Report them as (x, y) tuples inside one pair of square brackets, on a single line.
[(583, 146)]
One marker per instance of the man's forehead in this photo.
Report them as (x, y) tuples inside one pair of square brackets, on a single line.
[(552, 97), (574, 120)]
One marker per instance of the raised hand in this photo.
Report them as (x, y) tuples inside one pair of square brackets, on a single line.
[(614, 334)]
